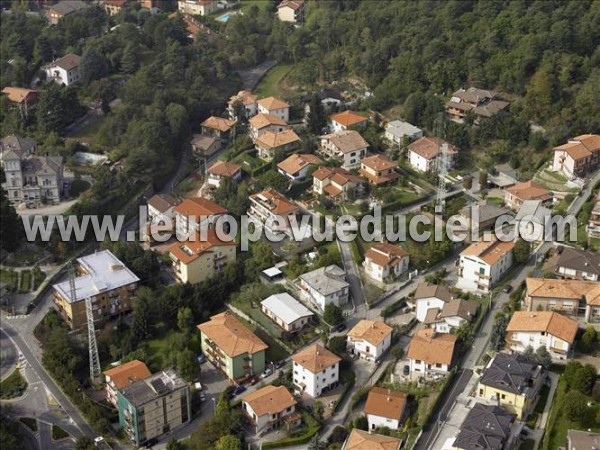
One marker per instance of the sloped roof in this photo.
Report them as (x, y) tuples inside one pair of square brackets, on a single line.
[(581, 146), (219, 123), (271, 103), (427, 290), (272, 139), (385, 253), (326, 280), (459, 307), (582, 260), (510, 373), (286, 307), (316, 358), (163, 202), (276, 203), (400, 128), (17, 145), (199, 208), (294, 4), (67, 62), (348, 118), (270, 400), (550, 322), (263, 120), (231, 336), (224, 169), (486, 427), (17, 94), (429, 147), (564, 289), (362, 440), (68, 6), (127, 373), (379, 162), (385, 403), (426, 345), (296, 162), (245, 97), (372, 331), (489, 252), (529, 190), (188, 251), (347, 141)]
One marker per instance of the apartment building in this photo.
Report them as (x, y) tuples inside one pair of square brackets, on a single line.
[(154, 406), (347, 146), (231, 347), (315, 370), (195, 214), (398, 131), (379, 170), (273, 210), (578, 157), (325, 286), (482, 264), (104, 279), (121, 376), (197, 7)]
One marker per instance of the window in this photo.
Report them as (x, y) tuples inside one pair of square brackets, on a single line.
[(480, 391)]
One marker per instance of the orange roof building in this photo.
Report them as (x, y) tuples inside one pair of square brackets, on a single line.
[(384, 261), (363, 440), (344, 120), (335, 182), (515, 195), (123, 375), (482, 264), (369, 339), (316, 370), (219, 127), (273, 141), (430, 352), (223, 169), (379, 169), (269, 407), (385, 407), (297, 165), (231, 347), (20, 96), (195, 213), (275, 107), (270, 205), (423, 153), (578, 157), (541, 329)]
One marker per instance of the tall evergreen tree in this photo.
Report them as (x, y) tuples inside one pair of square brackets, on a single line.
[(316, 120), (129, 60), (11, 229)]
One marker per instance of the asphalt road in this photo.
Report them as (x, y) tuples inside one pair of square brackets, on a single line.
[(8, 355)]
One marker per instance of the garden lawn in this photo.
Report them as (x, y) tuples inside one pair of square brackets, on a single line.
[(25, 284), (58, 433), (90, 129), (13, 386), (10, 278), (246, 4), (269, 85)]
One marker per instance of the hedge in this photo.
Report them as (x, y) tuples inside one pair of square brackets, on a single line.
[(392, 308), (290, 442)]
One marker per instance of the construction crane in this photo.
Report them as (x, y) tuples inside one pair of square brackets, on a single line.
[(95, 370)]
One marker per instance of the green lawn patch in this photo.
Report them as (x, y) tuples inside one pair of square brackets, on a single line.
[(275, 352), (25, 284), (13, 386), (78, 187), (262, 4), (29, 422), (58, 433), (38, 277), (269, 85), (90, 129), (527, 444), (9, 278)]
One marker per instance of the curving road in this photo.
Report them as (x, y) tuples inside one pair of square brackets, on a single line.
[(8, 355)]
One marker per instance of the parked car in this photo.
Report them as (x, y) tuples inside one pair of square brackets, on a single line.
[(238, 390), (280, 364), (201, 358), (341, 327), (151, 443), (268, 372), (507, 289), (254, 380)]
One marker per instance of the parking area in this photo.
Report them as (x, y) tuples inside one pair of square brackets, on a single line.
[(213, 384)]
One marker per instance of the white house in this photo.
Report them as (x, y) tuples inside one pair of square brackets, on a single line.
[(429, 296), (578, 157), (384, 261), (64, 70), (269, 207), (291, 11), (369, 339), (326, 285), (431, 354), (483, 264), (270, 407), (531, 220), (195, 214), (197, 7), (296, 166), (247, 100), (162, 205), (315, 370), (223, 170), (349, 146), (537, 329), (397, 131), (385, 408), (423, 154), (263, 123), (346, 119), (578, 265), (286, 311), (275, 107), (454, 314)]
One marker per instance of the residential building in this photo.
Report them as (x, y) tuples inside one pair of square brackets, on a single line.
[(514, 196), (291, 11), (270, 407), (369, 339), (593, 226), (219, 127), (197, 260), (64, 70), (263, 123), (274, 107), (547, 329), (63, 9), (505, 178), (331, 99), (578, 157), (197, 7), (488, 427), (575, 264), (114, 7), (379, 170), (344, 120), (531, 221), (479, 102), (385, 408), (348, 146), (512, 382), (297, 166), (431, 354), (287, 312), (30, 178), (430, 296), (363, 440), (483, 216), (231, 347), (104, 279), (162, 205), (453, 315), (270, 143), (398, 132), (195, 214), (246, 100), (121, 376), (570, 297), (325, 286), (20, 96), (222, 170), (423, 154), (154, 406), (204, 146), (483, 264), (385, 261), (582, 440), (315, 370), (336, 183), (273, 210)]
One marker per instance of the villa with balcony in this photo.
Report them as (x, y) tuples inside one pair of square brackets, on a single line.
[(483, 264)]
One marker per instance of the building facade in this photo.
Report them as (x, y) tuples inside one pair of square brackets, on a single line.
[(482, 265), (325, 286), (315, 370), (369, 339)]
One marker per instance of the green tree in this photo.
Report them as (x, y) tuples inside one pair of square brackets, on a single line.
[(542, 357), (11, 231), (93, 66), (521, 251), (468, 183), (337, 345), (185, 320), (574, 405), (129, 59), (228, 442), (316, 444), (174, 444), (316, 119), (498, 332), (483, 180), (84, 442), (589, 338), (187, 366), (333, 314), (584, 378), (42, 50)]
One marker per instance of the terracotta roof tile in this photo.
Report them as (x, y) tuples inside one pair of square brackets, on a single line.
[(270, 400), (379, 162), (231, 336), (564, 289), (199, 208), (489, 252), (246, 97), (188, 251), (385, 253), (272, 139), (346, 141), (262, 120), (276, 202), (385, 403), (429, 147), (219, 123), (529, 190), (18, 95), (432, 348), (348, 118), (296, 162), (362, 440), (551, 322), (224, 169), (127, 373), (271, 103), (374, 332), (316, 358)]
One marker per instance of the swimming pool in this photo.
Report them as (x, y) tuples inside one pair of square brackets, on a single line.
[(224, 17)]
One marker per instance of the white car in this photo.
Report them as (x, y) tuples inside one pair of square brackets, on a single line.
[(266, 373)]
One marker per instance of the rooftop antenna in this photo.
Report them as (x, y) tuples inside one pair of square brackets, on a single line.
[(95, 370)]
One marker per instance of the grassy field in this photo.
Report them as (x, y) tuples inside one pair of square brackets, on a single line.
[(29, 422), (13, 386), (10, 278), (38, 277), (246, 4), (25, 284), (89, 130), (58, 433), (269, 85)]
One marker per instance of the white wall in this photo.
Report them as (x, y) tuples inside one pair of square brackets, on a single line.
[(536, 340), (423, 304), (374, 352), (419, 163), (470, 265), (379, 421), (315, 383)]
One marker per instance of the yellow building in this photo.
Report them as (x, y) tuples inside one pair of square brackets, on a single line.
[(201, 259), (512, 382)]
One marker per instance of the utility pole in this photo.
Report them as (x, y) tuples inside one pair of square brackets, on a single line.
[(443, 163)]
